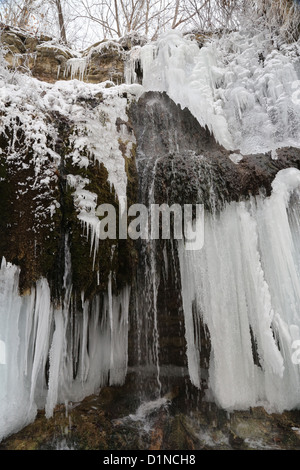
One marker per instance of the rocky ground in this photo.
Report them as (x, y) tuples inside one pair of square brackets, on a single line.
[(113, 420)]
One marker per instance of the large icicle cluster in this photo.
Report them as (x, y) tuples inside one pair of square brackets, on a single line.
[(177, 66), (260, 90), (56, 354), (245, 283)]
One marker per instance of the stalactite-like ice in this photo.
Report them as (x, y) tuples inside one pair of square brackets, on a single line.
[(76, 68), (56, 354), (244, 284)]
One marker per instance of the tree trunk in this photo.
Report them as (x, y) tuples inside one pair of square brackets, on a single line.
[(61, 20), (25, 13)]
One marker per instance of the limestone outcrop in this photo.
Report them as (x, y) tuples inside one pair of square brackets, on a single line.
[(48, 60)]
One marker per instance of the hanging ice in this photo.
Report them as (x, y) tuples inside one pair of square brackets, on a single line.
[(189, 75), (45, 341), (242, 88), (2, 353), (76, 68), (245, 283)]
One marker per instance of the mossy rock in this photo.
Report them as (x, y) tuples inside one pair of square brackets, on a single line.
[(34, 239), (29, 235)]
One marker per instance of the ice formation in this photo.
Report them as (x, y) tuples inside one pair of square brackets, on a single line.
[(245, 283), (53, 354), (72, 349), (76, 68), (177, 65), (241, 86)]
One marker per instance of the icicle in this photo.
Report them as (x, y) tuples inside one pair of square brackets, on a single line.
[(111, 320), (119, 337), (25, 324), (245, 285), (33, 331), (130, 65), (2, 353), (55, 358), (76, 68), (43, 319)]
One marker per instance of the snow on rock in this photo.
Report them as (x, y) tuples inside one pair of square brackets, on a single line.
[(244, 89), (188, 74)]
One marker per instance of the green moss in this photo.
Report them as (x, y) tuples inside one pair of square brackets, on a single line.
[(84, 274), (34, 240), (116, 256), (25, 220)]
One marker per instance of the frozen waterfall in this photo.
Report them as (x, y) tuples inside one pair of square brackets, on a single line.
[(245, 286)]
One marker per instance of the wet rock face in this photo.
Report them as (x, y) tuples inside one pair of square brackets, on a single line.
[(179, 162), (191, 166)]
